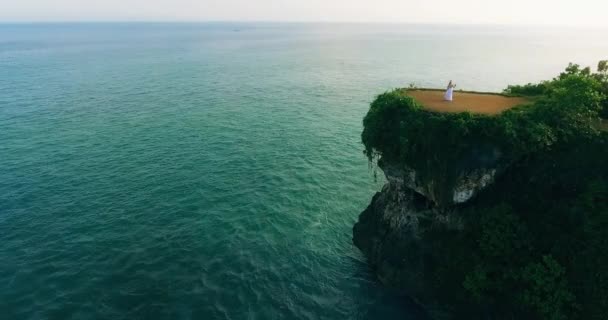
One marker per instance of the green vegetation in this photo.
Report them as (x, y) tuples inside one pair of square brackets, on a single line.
[(399, 130), (536, 246), (536, 241), (546, 87)]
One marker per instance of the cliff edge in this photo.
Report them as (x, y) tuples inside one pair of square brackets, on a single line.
[(493, 216)]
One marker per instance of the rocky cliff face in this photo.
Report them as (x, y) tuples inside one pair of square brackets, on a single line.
[(390, 232), (467, 184)]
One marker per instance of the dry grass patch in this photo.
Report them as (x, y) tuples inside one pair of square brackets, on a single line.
[(484, 103)]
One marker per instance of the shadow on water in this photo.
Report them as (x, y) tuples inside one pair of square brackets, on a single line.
[(383, 302)]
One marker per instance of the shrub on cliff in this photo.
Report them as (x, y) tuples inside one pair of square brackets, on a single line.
[(600, 79), (527, 90)]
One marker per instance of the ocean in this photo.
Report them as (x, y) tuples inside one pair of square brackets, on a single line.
[(215, 170)]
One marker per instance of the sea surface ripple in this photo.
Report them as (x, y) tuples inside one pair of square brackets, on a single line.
[(212, 171)]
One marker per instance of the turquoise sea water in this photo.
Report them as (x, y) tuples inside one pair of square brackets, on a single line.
[(214, 171)]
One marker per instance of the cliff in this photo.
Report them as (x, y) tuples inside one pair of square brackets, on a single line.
[(392, 230), (493, 217)]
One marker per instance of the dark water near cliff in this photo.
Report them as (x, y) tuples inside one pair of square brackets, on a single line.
[(214, 171)]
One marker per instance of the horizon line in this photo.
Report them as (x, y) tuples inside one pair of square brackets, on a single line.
[(160, 21)]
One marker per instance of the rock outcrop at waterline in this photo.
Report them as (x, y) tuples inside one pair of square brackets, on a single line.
[(391, 230)]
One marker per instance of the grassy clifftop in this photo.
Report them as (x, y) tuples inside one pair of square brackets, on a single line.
[(399, 129), (465, 101)]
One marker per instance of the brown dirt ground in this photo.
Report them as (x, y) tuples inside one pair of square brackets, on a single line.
[(472, 102)]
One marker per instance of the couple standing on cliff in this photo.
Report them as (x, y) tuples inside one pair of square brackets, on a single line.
[(449, 92)]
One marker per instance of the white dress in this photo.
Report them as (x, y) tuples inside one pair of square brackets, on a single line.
[(448, 94)]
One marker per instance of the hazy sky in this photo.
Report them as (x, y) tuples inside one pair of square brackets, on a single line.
[(561, 12)]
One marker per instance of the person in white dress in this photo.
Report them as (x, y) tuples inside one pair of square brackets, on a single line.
[(449, 93)]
